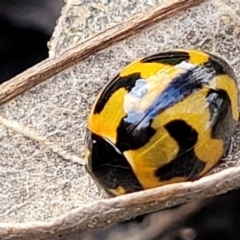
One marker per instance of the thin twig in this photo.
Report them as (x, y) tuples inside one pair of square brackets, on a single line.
[(47, 68)]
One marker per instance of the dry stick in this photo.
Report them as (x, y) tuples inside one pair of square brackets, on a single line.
[(51, 66)]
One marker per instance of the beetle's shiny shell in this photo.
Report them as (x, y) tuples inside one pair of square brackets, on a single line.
[(165, 118)]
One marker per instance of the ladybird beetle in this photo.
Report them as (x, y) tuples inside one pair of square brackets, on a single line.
[(166, 118)]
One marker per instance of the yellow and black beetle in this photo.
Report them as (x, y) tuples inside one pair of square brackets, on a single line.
[(165, 118)]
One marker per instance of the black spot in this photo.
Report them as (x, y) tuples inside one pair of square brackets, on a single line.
[(222, 122), (186, 163), (169, 57), (185, 135), (109, 167), (127, 82), (129, 138)]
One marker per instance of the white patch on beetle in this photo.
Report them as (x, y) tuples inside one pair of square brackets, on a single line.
[(140, 89), (132, 99), (185, 65)]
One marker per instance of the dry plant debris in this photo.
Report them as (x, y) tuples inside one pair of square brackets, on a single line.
[(45, 190)]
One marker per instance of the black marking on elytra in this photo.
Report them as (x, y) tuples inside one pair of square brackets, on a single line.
[(182, 133), (222, 122), (169, 57), (220, 66), (131, 140), (127, 82), (109, 167), (186, 163)]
